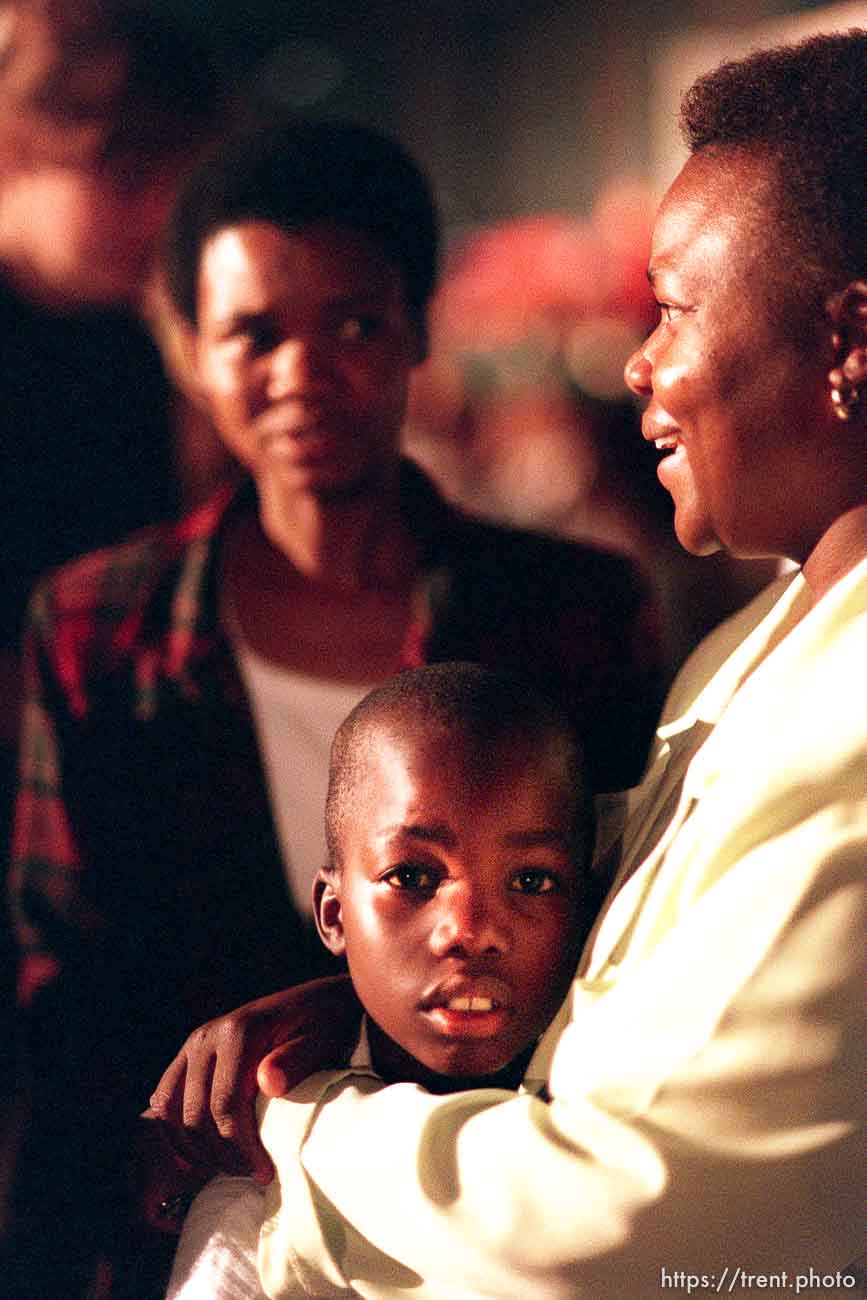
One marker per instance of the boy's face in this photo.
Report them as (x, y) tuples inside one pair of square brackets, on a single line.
[(459, 901), (304, 352)]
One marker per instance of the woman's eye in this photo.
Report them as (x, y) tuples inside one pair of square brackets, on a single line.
[(535, 880), (256, 339), (410, 876), (669, 312), (357, 329)]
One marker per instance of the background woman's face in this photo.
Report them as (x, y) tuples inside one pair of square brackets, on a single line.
[(305, 347), (736, 405)]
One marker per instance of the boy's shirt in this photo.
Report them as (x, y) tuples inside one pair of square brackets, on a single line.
[(236, 1230)]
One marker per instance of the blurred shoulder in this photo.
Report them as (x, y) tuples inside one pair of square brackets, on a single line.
[(549, 562), (123, 577), (483, 546)]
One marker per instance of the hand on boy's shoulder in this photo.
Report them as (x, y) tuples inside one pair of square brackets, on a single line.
[(205, 1099)]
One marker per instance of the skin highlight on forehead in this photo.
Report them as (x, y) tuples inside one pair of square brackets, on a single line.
[(226, 267), (711, 200), (478, 716), (745, 197), (382, 755)]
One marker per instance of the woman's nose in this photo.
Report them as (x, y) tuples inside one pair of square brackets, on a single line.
[(638, 373), (470, 922), (297, 369)]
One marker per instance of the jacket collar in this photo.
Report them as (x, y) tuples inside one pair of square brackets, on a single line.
[(194, 622), (740, 702)]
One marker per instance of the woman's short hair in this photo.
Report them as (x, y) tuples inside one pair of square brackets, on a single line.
[(294, 172), (804, 107)]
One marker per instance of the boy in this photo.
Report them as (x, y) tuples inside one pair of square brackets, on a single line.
[(457, 888)]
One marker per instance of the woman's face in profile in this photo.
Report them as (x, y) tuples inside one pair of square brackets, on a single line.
[(736, 404)]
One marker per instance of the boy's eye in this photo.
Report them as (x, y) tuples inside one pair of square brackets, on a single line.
[(411, 876), (535, 880)]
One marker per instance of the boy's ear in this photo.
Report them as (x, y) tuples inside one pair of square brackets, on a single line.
[(326, 912)]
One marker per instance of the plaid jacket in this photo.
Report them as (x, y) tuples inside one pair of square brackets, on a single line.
[(146, 882)]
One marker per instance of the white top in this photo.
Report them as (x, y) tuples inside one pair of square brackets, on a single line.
[(296, 717)]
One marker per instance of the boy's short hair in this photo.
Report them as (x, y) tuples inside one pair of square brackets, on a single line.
[(295, 172), (484, 707)]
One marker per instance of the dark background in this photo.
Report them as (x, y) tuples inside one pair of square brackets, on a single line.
[(512, 105)]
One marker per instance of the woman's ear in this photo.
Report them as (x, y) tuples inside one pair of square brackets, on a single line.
[(422, 342), (847, 312), (326, 911), (175, 337)]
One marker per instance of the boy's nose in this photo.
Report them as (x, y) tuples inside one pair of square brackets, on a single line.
[(469, 923)]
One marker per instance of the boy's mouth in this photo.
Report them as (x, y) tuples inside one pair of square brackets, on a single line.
[(469, 1006), (468, 993), (465, 1003)]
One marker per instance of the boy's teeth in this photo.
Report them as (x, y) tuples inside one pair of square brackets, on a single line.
[(470, 1004)]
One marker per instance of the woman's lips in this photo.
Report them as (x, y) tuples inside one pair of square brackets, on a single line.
[(673, 461), (303, 444), (658, 427), (666, 439)]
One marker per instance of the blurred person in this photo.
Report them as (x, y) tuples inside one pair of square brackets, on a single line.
[(704, 1123), (458, 886), (182, 688), (102, 107)]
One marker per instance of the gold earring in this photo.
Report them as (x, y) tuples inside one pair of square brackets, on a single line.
[(844, 395), (849, 312), (846, 383)]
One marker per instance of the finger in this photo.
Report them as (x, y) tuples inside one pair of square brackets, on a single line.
[(310, 1049), (216, 1110), (272, 1076), (232, 1098), (287, 1064), (186, 1111), (167, 1107), (198, 1085), (166, 1099), (233, 1095)]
